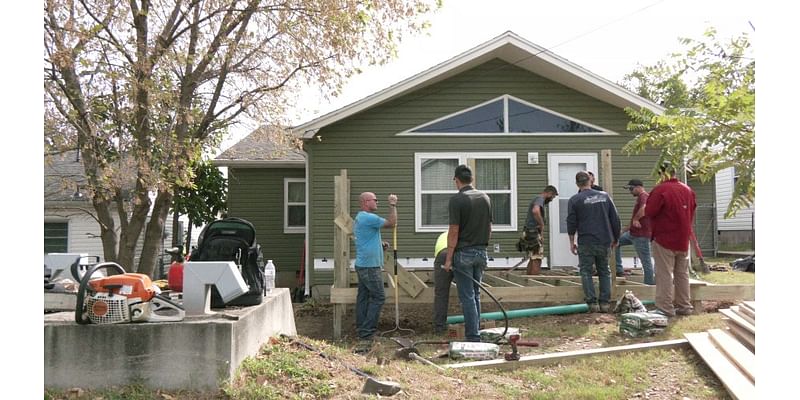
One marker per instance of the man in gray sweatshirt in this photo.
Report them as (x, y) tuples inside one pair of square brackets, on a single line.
[(592, 215)]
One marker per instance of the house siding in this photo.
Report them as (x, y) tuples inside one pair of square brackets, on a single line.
[(377, 160), (257, 195), (744, 218)]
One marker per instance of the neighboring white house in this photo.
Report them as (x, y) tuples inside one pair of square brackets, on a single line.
[(739, 229), (69, 223)]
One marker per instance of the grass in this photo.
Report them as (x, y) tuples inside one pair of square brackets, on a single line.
[(730, 277)]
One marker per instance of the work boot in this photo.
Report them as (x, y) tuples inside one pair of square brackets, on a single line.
[(605, 308), (594, 308), (534, 267), (363, 347), (684, 311)]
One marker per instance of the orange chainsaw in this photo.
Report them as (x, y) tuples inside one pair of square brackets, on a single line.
[(121, 298)]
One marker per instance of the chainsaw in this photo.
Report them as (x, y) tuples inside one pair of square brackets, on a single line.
[(122, 298)]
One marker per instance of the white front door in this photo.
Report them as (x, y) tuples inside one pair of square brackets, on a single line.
[(561, 170)]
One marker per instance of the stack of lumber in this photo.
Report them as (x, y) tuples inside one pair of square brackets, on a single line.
[(730, 353)]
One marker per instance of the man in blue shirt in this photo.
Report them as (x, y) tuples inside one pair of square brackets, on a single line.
[(593, 216), (369, 262)]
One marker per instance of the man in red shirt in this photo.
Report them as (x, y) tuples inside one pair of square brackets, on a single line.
[(638, 232), (671, 208)]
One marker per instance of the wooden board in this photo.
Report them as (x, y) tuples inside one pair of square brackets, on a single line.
[(744, 359), (746, 338), (411, 283), (735, 381), (555, 358), (736, 318), (498, 281), (54, 301), (526, 281), (745, 316), (750, 304), (743, 309)]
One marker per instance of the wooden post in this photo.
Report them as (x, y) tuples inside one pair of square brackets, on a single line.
[(608, 186), (341, 246)]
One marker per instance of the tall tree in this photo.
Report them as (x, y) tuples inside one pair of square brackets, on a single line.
[(142, 87), (709, 123)]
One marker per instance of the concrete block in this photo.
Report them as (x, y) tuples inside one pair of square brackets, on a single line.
[(198, 353)]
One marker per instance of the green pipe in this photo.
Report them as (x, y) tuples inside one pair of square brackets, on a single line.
[(532, 312)]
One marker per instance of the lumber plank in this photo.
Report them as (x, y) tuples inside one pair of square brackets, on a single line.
[(746, 338), (750, 304), (554, 358), (60, 301), (735, 381), (409, 282), (743, 309), (526, 281), (738, 320), (498, 281), (744, 359), (739, 311)]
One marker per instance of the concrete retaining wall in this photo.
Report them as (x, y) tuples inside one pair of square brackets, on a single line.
[(198, 353)]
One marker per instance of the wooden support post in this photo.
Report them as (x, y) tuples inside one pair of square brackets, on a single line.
[(608, 186), (341, 245)]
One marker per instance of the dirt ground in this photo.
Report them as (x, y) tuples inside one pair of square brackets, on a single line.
[(316, 321)]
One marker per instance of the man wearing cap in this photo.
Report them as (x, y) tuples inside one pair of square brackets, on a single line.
[(671, 209), (470, 216), (592, 215), (531, 240), (638, 232)]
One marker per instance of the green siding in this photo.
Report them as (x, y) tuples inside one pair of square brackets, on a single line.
[(379, 161), (256, 194)]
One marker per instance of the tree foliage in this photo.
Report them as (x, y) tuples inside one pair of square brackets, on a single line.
[(708, 92), (205, 197), (142, 88)]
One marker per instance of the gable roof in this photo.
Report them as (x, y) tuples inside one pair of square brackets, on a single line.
[(266, 146), (63, 176), (511, 48)]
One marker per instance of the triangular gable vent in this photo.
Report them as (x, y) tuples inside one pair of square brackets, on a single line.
[(506, 115)]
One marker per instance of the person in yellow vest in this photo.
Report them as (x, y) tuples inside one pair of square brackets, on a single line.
[(442, 280)]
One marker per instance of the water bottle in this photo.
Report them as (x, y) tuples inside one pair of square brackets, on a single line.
[(269, 273)]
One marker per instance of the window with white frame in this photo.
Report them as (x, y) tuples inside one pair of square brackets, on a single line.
[(294, 209), (493, 173), (506, 115)]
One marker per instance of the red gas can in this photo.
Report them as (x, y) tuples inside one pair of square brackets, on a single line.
[(175, 276)]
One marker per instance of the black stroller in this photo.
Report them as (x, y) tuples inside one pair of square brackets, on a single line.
[(234, 239)]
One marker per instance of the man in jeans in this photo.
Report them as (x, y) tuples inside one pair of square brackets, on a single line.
[(532, 235), (441, 280), (671, 208), (638, 232), (369, 261), (470, 215), (592, 215)]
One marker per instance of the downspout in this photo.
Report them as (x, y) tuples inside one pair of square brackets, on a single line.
[(306, 247)]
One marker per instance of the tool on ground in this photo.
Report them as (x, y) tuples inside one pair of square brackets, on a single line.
[(371, 386), (410, 353), (124, 297), (704, 267), (514, 355), (396, 289)]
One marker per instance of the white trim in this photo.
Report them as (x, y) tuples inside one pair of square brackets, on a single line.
[(505, 98), (286, 227), (508, 47), (463, 158), (259, 163)]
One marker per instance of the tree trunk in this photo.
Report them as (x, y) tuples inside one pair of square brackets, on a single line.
[(188, 248), (176, 230), (153, 234), (108, 234)]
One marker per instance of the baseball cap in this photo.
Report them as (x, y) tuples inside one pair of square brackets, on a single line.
[(632, 183)]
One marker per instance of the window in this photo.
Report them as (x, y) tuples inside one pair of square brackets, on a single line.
[(55, 237), (294, 200), (506, 115), (493, 173)]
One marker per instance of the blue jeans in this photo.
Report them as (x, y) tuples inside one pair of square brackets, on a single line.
[(468, 264), (597, 255), (642, 246), (369, 301)]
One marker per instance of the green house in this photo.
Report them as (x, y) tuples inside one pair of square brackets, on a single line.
[(520, 115)]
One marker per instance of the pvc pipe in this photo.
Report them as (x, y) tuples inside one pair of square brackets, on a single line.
[(532, 312)]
